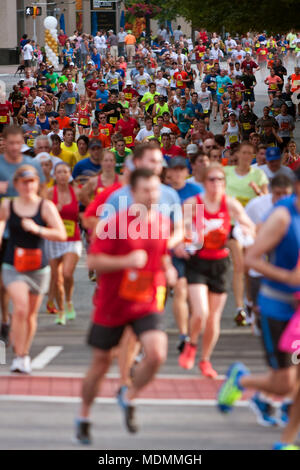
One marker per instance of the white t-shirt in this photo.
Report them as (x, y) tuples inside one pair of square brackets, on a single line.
[(161, 86), (143, 133), (142, 82), (177, 34), (27, 51), (204, 99), (122, 36), (215, 54), (238, 56), (230, 45)]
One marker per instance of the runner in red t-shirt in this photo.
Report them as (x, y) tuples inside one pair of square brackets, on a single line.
[(131, 291), (129, 92), (96, 134), (128, 127), (104, 127), (6, 112), (199, 54), (181, 77)]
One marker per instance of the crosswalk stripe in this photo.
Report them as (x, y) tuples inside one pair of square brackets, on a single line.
[(46, 356)]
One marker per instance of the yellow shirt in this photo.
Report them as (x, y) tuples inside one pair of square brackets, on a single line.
[(71, 149), (67, 157), (81, 157)]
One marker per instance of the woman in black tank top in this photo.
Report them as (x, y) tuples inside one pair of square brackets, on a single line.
[(25, 271)]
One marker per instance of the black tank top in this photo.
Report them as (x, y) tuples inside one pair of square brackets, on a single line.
[(29, 110), (20, 238)]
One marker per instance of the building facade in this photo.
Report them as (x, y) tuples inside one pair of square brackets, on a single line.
[(88, 16)]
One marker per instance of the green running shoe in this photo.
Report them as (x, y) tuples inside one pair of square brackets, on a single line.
[(231, 391), (281, 446), (60, 320), (70, 312)]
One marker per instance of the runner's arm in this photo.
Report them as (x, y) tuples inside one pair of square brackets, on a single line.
[(237, 212)]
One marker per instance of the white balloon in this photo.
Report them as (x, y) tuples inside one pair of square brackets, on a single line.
[(50, 22)]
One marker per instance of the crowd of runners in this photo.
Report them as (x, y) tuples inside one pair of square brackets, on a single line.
[(114, 153)]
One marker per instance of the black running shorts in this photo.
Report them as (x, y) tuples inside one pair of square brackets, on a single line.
[(107, 337), (213, 273)]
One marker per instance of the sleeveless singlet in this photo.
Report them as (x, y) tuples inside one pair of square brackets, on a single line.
[(83, 116), (232, 134), (69, 214), (216, 231), (100, 186), (19, 238)]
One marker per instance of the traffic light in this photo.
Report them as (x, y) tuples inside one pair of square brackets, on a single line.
[(33, 11)]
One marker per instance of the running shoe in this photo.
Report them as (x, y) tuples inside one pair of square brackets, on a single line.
[(183, 339), (263, 410), (187, 358), (92, 276), (282, 446), (51, 309), (4, 333), (27, 365), (231, 390), (128, 410), (70, 312), (241, 317), (283, 413), (60, 320), (82, 432), (207, 369), (17, 365)]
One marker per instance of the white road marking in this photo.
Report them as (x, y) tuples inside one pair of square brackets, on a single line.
[(46, 356), (110, 401)]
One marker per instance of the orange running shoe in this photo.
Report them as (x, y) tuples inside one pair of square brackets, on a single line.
[(51, 308), (207, 369), (187, 358)]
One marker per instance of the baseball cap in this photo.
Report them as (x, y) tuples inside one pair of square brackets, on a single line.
[(71, 63), (177, 162), (192, 148), (89, 62), (95, 143), (272, 153), (128, 82)]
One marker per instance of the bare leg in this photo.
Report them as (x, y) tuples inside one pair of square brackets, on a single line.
[(290, 433), (238, 272), (128, 348), (19, 294), (155, 345), (70, 261), (277, 382), (34, 306), (198, 296), (180, 306), (212, 329), (100, 364)]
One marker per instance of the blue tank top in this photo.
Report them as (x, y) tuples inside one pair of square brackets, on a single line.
[(274, 296)]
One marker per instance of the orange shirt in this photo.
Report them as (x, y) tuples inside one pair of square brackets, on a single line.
[(295, 82), (130, 39), (63, 122), (103, 139), (107, 130)]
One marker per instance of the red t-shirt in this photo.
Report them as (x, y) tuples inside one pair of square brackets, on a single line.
[(91, 85), (249, 65), (173, 127), (126, 128), (200, 51), (130, 93), (107, 130), (179, 76), (103, 139), (125, 295), (5, 109), (64, 122), (92, 208), (262, 54), (173, 151)]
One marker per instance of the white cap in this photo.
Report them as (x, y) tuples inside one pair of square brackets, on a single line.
[(43, 157), (24, 148), (71, 63), (128, 82), (90, 62)]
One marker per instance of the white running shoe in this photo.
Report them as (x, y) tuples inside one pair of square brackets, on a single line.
[(27, 365), (17, 365)]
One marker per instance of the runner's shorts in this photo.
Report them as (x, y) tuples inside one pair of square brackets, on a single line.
[(179, 265), (214, 273), (107, 337), (272, 330), (37, 281), (56, 250)]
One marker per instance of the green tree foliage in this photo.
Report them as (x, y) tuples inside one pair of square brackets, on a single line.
[(241, 16)]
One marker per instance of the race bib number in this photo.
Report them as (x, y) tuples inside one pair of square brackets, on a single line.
[(247, 49), (179, 83), (27, 259), (3, 119), (243, 200), (128, 139), (233, 138), (263, 52), (104, 131), (284, 125), (70, 227), (206, 111), (273, 86), (84, 121), (137, 286), (30, 142), (128, 96), (143, 82), (72, 101), (201, 54), (282, 49), (246, 126), (113, 120), (53, 85), (220, 90), (114, 81)]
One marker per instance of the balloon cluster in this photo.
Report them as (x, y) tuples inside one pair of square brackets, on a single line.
[(51, 40)]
